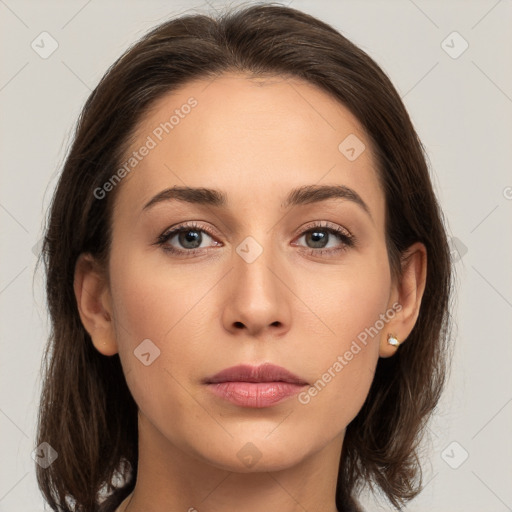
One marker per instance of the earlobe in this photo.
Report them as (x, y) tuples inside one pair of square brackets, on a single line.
[(409, 292), (94, 304)]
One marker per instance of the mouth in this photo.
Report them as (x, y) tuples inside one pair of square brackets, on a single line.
[(255, 386)]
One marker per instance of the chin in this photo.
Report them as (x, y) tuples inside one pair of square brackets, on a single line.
[(255, 454)]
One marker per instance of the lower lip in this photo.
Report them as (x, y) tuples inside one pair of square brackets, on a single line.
[(255, 394)]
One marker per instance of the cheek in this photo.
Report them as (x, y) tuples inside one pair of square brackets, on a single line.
[(150, 312), (347, 300), (152, 298), (158, 311), (350, 318)]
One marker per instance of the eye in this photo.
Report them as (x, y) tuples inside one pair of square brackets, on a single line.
[(190, 236), (319, 236)]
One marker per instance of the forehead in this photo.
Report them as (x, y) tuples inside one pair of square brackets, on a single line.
[(244, 135)]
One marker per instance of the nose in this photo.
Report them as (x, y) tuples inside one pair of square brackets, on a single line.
[(258, 297)]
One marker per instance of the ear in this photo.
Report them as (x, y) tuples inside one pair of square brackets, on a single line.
[(94, 303), (408, 293)]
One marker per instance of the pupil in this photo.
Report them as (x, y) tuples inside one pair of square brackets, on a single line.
[(191, 236), (318, 236)]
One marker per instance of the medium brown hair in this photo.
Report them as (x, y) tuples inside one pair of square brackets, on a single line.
[(87, 413)]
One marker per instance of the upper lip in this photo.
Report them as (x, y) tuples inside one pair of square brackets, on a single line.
[(266, 372)]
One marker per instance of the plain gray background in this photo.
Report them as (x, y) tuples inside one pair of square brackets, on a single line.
[(461, 105)]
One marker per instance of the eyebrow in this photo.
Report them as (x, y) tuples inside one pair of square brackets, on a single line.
[(298, 196)]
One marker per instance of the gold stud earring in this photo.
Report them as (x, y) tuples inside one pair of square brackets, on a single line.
[(393, 340)]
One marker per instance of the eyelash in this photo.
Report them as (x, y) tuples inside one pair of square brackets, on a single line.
[(348, 240)]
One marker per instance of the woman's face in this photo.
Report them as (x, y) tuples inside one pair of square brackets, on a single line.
[(259, 277)]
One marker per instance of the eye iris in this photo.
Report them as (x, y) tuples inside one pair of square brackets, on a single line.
[(318, 236), (190, 236)]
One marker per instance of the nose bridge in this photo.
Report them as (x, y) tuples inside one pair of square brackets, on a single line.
[(257, 295), (253, 258)]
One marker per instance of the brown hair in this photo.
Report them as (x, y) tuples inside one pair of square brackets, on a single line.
[(87, 413)]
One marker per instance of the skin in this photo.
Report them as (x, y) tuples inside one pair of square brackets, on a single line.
[(255, 140)]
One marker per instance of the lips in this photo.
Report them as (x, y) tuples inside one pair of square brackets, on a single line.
[(264, 373), (255, 386)]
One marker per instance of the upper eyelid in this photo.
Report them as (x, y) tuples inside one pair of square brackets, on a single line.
[(182, 227), (325, 225)]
